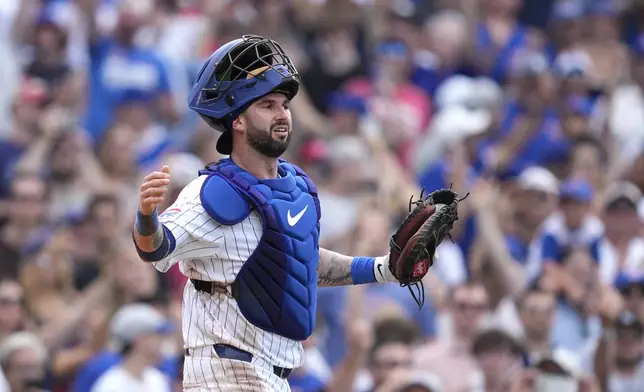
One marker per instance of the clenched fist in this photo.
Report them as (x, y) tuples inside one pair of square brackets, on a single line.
[(153, 190)]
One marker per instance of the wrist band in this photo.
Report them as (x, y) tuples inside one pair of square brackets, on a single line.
[(381, 270), (362, 270), (147, 225)]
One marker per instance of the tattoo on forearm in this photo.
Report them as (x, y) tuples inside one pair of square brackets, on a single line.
[(334, 269), (157, 238)]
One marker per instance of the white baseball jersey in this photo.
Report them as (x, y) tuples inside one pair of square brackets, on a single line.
[(207, 250)]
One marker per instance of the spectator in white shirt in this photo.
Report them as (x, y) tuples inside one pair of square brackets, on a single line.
[(140, 330), (573, 226), (622, 346), (622, 247), (23, 359)]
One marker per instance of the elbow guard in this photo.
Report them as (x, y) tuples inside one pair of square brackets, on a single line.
[(167, 246)]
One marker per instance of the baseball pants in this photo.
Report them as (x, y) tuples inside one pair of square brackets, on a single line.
[(205, 371)]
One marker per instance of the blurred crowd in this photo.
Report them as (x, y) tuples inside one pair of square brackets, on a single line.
[(533, 107)]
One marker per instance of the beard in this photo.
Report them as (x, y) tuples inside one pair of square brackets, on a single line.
[(263, 142), (628, 363), (63, 176)]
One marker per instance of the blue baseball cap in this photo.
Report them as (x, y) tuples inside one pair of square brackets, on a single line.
[(603, 8), (577, 190), (581, 106), (343, 102), (134, 96), (568, 10), (393, 49), (625, 280), (638, 46)]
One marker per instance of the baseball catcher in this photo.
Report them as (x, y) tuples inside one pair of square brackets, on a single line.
[(246, 230)]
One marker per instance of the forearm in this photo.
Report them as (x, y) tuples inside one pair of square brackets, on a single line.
[(511, 274), (153, 241), (335, 269), (345, 374), (149, 243), (56, 333)]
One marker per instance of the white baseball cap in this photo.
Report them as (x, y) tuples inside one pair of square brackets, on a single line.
[(425, 380), (134, 320), (623, 190), (458, 122), (568, 361), (537, 178)]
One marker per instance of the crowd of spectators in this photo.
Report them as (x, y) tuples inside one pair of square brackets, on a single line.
[(533, 107)]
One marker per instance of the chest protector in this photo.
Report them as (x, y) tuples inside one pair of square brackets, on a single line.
[(276, 288)]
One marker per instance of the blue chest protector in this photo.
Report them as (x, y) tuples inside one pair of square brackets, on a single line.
[(276, 288)]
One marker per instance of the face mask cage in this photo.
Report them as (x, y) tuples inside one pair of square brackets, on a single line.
[(249, 60)]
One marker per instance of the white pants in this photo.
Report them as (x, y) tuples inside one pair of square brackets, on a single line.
[(204, 371)]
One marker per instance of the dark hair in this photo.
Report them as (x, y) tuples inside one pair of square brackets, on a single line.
[(532, 290), (126, 349), (393, 330), (101, 198), (589, 140), (495, 339), (468, 284)]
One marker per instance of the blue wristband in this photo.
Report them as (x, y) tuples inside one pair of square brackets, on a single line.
[(362, 270), (147, 225)]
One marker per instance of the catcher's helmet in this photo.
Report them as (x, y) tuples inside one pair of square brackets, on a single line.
[(237, 74)]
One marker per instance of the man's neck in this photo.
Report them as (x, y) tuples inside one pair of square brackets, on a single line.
[(538, 345), (619, 242), (256, 164), (524, 232), (135, 366), (461, 340)]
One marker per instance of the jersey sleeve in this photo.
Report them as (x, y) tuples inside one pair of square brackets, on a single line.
[(550, 248), (194, 233)]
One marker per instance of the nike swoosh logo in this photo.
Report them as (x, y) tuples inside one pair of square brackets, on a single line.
[(382, 276), (292, 220)]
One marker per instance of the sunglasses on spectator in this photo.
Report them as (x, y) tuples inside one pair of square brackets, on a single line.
[(26, 197), (392, 364), (629, 333), (539, 309), (7, 301), (464, 305), (631, 290)]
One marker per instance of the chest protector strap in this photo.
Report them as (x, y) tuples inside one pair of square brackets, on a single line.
[(276, 287)]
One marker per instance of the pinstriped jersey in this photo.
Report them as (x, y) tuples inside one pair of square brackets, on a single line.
[(209, 251)]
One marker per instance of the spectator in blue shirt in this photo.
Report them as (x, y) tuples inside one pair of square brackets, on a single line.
[(118, 66), (574, 226), (566, 24), (536, 199), (631, 289), (531, 132)]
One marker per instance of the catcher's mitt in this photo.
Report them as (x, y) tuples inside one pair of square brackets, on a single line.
[(413, 246)]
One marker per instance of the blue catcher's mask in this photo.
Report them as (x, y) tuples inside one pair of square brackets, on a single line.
[(236, 75)]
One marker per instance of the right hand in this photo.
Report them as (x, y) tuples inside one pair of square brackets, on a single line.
[(359, 335), (153, 190), (483, 196)]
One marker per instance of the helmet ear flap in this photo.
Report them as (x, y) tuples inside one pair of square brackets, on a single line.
[(230, 100), (213, 123)]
